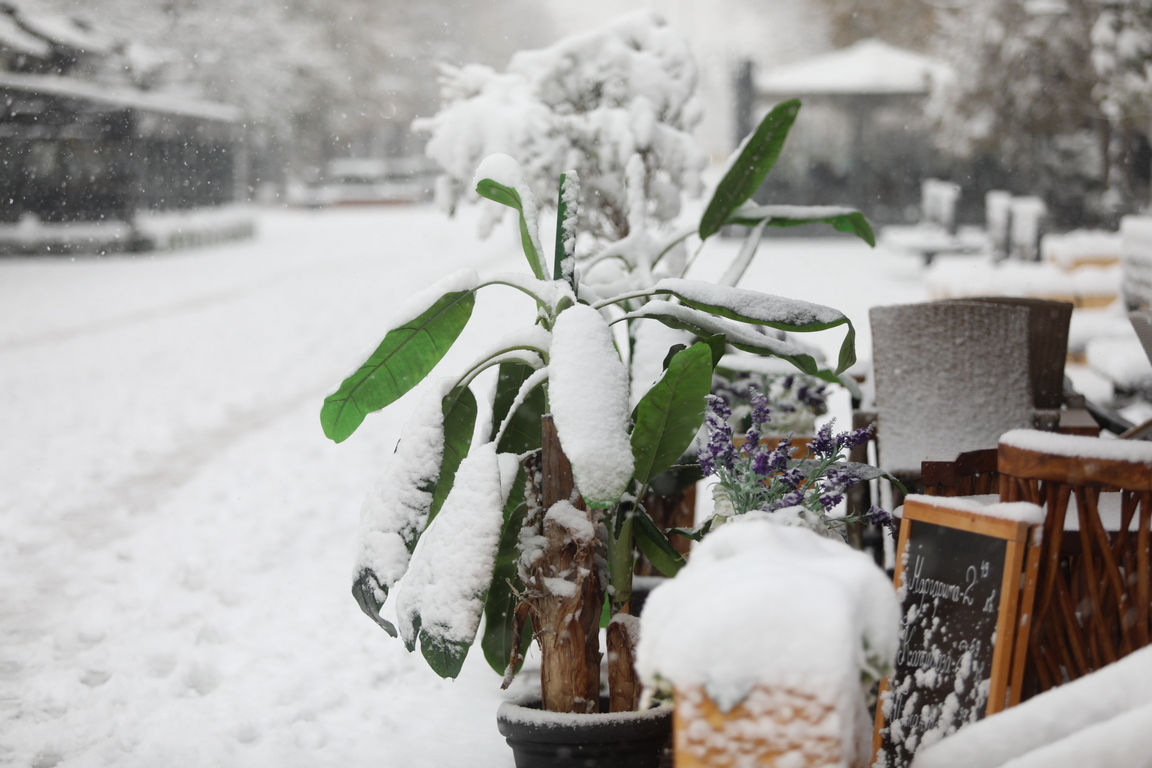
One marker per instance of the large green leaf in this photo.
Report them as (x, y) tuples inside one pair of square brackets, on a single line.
[(502, 599), (655, 545), (670, 413), (505, 195), (841, 219), (459, 423), (763, 309), (750, 168), (405, 356), (523, 432)]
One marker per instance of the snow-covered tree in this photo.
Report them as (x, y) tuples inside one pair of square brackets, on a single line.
[(1122, 58), (1023, 97), (316, 79), (591, 103), (905, 23)]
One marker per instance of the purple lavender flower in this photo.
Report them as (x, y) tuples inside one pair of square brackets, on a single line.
[(792, 478), (824, 445), (858, 437), (878, 516), (719, 451), (760, 411)]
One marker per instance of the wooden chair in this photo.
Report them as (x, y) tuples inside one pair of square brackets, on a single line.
[(1093, 601), (972, 473)]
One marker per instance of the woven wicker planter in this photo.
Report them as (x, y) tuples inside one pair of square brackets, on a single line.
[(772, 726)]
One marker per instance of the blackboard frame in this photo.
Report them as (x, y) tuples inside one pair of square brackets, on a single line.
[(1017, 592)]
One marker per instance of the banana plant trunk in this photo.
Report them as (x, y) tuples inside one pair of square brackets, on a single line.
[(569, 592)]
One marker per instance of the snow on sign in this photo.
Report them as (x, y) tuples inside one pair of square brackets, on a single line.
[(964, 619)]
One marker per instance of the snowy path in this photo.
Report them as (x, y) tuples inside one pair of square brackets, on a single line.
[(176, 531)]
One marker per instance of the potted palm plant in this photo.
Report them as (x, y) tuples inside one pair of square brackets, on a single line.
[(533, 525)]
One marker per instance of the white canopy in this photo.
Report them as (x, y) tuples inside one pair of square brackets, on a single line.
[(868, 67)]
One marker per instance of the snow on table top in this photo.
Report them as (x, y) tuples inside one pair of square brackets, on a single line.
[(1071, 725), (748, 608), (1078, 446), (1068, 247), (963, 276)]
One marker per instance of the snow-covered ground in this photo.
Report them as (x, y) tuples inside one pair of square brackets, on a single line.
[(176, 534)]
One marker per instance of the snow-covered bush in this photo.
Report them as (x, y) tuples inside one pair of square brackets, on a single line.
[(591, 103), (474, 524)]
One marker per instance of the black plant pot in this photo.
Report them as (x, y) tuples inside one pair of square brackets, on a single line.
[(554, 740)]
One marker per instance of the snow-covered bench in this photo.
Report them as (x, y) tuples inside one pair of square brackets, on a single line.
[(1101, 720)]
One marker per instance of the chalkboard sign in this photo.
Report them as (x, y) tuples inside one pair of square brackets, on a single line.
[(965, 610)]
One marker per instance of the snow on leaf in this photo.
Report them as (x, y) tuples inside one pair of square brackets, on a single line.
[(395, 512), (588, 391), (441, 597)]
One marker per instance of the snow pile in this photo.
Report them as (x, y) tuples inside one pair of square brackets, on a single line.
[(763, 607), (1100, 720), (590, 102), (1121, 360), (588, 391)]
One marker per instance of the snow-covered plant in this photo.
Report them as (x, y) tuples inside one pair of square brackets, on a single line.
[(752, 475), (590, 103), (532, 522)]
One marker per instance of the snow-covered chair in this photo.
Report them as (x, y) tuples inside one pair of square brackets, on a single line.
[(1093, 601), (998, 222), (1101, 720), (953, 376), (1029, 220)]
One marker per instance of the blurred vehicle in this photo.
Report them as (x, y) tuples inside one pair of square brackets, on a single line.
[(369, 181)]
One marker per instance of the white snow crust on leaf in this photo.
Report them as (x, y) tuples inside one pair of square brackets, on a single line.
[(460, 280), (395, 512), (651, 344), (794, 211), (548, 291), (760, 307), (588, 395), (1101, 719), (761, 605), (736, 333), (522, 343), (503, 169), (451, 567)]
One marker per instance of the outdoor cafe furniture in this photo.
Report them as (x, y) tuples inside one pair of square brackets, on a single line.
[(952, 376), (1093, 600)]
